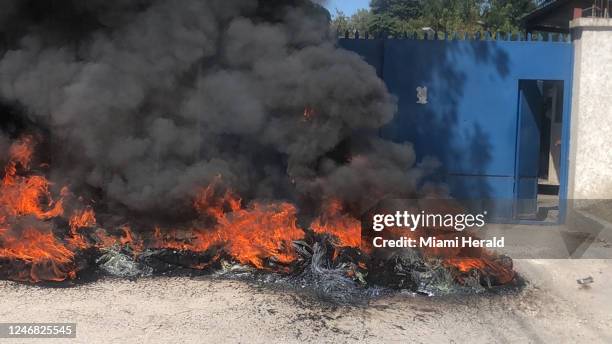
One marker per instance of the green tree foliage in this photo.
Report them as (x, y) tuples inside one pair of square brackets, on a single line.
[(340, 22), (357, 22), (452, 15), (504, 15), (396, 17)]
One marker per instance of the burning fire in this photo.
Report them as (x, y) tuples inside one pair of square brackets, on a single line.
[(309, 114), (482, 264), (25, 202), (35, 248), (253, 235), (22, 196), (338, 223), (44, 258)]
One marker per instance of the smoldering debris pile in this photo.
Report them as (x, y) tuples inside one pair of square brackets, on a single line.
[(332, 274)]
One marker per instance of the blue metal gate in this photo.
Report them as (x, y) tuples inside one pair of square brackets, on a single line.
[(462, 101)]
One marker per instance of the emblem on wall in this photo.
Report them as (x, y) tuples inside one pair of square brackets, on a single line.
[(421, 95)]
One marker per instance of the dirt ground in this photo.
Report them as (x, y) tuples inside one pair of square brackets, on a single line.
[(552, 308), (602, 209)]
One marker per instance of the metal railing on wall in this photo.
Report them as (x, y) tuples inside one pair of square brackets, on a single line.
[(599, 9), (456, 36)]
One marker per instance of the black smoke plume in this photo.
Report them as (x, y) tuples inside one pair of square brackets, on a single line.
[(145, 102)]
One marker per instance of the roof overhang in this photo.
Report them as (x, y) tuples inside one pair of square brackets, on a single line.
[(554, 16)]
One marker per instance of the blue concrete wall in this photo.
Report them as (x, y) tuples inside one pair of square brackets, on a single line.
[(471, 120)]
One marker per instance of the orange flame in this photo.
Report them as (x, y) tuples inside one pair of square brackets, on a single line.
[(46, 257), (250, 235), (334, 220), (20, 196), (82, 219), (309, 114), (484, 264), (43, 256)]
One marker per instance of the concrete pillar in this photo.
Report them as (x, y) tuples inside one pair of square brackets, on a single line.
[(590, 173)]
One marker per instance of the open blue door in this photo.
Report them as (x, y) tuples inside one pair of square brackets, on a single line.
[(531, 106)]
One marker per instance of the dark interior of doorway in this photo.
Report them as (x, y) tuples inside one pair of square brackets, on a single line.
[(549, 167)]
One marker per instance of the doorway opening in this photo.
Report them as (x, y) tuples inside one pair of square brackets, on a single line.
[(538, 162)]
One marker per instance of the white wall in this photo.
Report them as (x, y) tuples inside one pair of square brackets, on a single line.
[(590, 174)]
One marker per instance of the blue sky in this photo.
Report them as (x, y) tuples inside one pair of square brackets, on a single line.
[(349, 7)]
